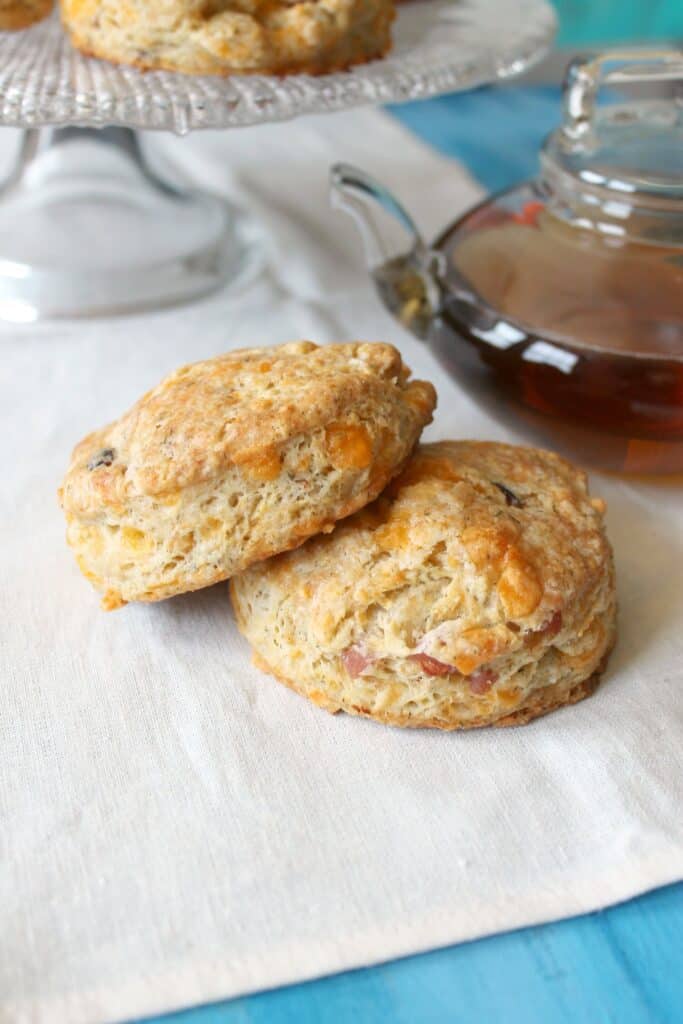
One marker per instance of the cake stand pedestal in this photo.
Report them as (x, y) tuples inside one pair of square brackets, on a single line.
[(90, 227)]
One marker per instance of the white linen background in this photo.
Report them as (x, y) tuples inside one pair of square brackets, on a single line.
[(176, 827)]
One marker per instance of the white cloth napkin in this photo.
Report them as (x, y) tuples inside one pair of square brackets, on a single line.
[(176, 827)]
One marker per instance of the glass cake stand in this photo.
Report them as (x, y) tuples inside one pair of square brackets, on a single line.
[(88, 227)]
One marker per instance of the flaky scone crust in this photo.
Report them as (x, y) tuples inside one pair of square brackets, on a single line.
[(226, 37), (540, 702), (19, 14), (236, 458), (478, 589)]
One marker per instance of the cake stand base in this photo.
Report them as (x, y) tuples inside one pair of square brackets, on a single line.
[(87, 228)]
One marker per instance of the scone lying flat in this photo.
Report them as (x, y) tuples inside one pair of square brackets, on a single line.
[(225, 37), (18, 14), (477, 590), (236, 458)]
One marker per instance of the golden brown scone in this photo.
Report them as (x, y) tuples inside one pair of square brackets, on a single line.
[(18, 14), (477, 590), (225, 37), (236, 458)]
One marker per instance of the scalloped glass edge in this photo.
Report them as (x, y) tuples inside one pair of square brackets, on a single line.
[(440, 46)]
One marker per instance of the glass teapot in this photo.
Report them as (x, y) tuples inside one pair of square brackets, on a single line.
[(559, 304)]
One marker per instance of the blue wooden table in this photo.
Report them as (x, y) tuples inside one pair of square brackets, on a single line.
[(624, 964), (620, 966)]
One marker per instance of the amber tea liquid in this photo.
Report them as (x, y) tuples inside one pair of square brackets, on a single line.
[(600, 374)]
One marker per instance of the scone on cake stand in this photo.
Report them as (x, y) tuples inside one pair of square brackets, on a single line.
[(89, 228)]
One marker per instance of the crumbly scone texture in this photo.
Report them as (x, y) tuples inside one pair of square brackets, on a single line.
[(18, 14), (236, 458), (477, 590), (223, 37)]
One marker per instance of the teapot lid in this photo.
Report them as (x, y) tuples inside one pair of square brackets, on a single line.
[(634, 149)]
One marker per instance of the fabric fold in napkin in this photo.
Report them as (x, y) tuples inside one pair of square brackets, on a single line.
[(176, 827)]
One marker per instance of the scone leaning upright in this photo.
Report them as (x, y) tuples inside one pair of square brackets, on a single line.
[(477, 590), (19, 14), (227, 37), (237, 458)]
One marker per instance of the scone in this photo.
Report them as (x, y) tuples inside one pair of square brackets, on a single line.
[(236, 458), (225, 37), (477, 590), (18, 14)]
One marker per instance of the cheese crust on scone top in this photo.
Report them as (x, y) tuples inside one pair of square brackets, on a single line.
[(224, 37)]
